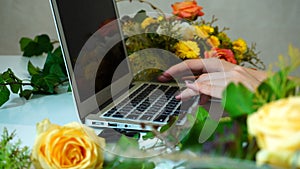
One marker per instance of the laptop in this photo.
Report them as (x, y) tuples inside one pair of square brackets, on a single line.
[(104, 91)]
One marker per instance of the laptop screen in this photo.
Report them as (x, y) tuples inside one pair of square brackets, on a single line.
[(93, 42)]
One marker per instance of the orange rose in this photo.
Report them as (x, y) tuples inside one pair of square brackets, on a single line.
[(225, 54), (71, 146), (187, 10)]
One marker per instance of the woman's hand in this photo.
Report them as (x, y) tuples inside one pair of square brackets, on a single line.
[(212, 76)]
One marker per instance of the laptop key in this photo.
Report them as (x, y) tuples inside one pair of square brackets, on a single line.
[(151, 113), (107, 114), (118, 115), (160, 118), (132, 116), (146, 117)]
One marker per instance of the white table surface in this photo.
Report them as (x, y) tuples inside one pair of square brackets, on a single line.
[(21, 115)]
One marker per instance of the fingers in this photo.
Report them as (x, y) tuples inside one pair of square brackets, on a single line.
[(196, 66), (185, 68), (211, 89), (211, 84), (187, 94)]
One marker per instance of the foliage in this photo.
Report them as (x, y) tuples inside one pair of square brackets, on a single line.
[(127, 163), (277, 86), (37, 46), (44, 80), (12, 155)]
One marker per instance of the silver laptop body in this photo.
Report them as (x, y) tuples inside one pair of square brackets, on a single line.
[(100, 74)]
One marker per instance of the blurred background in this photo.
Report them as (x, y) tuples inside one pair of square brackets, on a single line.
[(271, 24)]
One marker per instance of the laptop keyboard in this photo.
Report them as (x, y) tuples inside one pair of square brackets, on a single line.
[(150, 102)]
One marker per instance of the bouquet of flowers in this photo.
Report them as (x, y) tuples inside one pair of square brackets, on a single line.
[(185, 34)]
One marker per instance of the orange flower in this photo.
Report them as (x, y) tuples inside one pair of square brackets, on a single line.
[(225, 54), (187, 10)]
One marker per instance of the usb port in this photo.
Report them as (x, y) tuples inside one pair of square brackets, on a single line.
[(112, 124)]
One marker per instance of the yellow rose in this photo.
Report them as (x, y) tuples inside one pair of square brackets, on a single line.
[(187, 49), (213, 41), (277, 130), (70, 146), (240, 46), (203, 31), (148, 21)]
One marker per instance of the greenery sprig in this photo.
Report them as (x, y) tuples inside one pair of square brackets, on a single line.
[(277, 86), (44, 80), (12, 154)]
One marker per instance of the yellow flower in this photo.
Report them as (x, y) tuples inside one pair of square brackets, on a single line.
[(203, 31), (277, 130), (160, 18), (213, 41), (148, 21), (187, 49), (240, 46), (70, 146)]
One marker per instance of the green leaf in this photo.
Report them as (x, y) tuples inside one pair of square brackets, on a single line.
[(26, 94), (56, 70), (275, 87), (140, 16), (125, 144), (32, 69), (170, 123), (41, 44), (32, 49), (44, 43), (14, 82), (54, 58), (58, 53), (4, 92), (24, 42), (69, 88), (129, 164), (238, 100), (148, 135), (191, 139), (45, 83)]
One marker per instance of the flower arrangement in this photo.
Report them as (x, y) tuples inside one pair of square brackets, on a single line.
[(186, 34)]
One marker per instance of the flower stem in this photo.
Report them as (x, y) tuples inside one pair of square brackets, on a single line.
[(12, 83), (149, 3)]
